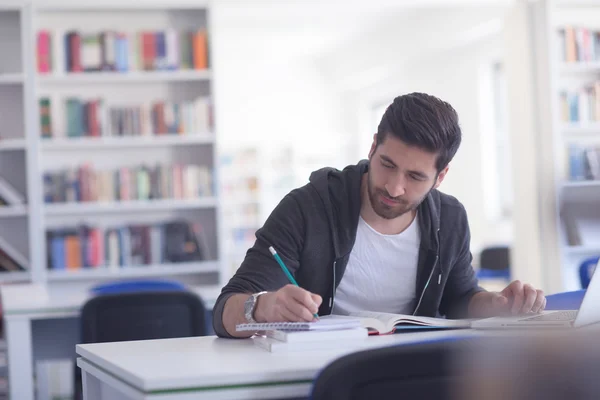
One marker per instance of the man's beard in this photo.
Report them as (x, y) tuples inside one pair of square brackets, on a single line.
[(390, 212)]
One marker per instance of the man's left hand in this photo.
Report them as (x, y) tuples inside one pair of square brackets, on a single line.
[(516, 298)]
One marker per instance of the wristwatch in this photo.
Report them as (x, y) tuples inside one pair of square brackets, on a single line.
[(250, 305)]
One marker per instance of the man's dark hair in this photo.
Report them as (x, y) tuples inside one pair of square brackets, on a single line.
[(423, 121)]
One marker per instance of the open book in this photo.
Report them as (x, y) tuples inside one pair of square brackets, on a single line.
[(376, 323), (383, 323)]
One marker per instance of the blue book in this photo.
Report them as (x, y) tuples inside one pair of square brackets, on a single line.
[(58, 253), (160, 62), (121, 53)]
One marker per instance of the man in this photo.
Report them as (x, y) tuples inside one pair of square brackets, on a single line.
[(376, 236)]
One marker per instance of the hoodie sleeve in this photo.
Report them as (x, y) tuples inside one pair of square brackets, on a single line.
[(462, 282), (284, 230)]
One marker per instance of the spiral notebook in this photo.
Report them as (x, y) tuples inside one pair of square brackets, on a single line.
[(325, 323)]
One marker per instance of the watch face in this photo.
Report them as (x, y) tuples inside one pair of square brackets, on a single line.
[(248, 306)]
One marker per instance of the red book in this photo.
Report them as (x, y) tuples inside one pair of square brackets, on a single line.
[(148, 50), (96, 247), (94, 126), (43, 52), (76, 53)]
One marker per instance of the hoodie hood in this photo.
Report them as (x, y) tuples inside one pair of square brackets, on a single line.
[(340, 193)]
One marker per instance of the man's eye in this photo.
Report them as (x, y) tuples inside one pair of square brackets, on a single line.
[(387, 165), (416, 177)]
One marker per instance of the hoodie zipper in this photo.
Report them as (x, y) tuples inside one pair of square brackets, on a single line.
[(332, 299), (437, 257)]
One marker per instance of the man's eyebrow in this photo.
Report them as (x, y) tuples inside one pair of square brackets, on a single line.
[(388, 160), (417, 173)]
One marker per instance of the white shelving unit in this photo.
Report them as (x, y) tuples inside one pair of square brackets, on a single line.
[(125, 78), (129, 142), (30, 155), (10, 79), (578, 202)]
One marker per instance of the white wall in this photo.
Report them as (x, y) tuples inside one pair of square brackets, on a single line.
[(448, 61), (271, 95), (455, 76)]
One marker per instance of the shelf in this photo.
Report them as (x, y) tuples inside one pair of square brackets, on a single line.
[(12, 144), (580, 68), (13, 211), (582, 250), (581, 184), (128, 206), (16, 276), (126, 77), (126, 142), (134, 271), (11, 79), (589, 130)]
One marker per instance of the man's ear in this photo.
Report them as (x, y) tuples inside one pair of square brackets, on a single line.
[(441, 177), (373, 146)]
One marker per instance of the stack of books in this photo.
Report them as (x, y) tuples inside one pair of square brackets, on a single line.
[(329, 332)]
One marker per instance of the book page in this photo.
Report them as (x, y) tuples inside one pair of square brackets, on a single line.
[(386, 321), (390, 320)]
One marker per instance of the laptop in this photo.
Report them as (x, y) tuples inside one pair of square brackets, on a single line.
[(588, 313)]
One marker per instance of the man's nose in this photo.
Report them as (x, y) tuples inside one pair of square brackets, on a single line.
[(396, 188)]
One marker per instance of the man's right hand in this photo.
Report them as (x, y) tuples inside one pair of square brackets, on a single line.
[(288, 304)]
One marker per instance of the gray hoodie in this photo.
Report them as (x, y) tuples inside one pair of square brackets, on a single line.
[(314, 228)]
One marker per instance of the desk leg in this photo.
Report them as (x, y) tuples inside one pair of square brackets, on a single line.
[(96, 389), (92, 387), (20, 359)]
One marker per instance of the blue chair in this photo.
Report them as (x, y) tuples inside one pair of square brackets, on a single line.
[(136, 286), (586, 270), (565, 301)]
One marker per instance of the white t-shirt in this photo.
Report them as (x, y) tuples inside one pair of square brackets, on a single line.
[(381, 272)]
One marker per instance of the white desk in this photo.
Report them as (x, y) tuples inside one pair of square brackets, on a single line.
[(40, 324), (212, 368)]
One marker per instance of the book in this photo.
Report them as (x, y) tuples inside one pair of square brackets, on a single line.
[(385, 323), (311, 336), (325, 323), (276, 346)]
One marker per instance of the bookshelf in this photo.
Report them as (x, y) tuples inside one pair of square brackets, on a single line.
[(164, 87), (125, 78), (574, 52)]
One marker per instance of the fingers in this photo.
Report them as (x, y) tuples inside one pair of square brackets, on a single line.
[(317, 299), (514, 291), (530, 298), (304, 297), (540, 302), (295, 304), (295, 312), (524, 298)]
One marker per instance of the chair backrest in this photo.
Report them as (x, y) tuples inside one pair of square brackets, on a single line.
[(141, 316), (495, 258), (135, 285), (416, 371), (586, 270)]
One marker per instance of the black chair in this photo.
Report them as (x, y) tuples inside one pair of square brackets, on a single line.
[(494, 262), (140, 316), (415, 371)]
